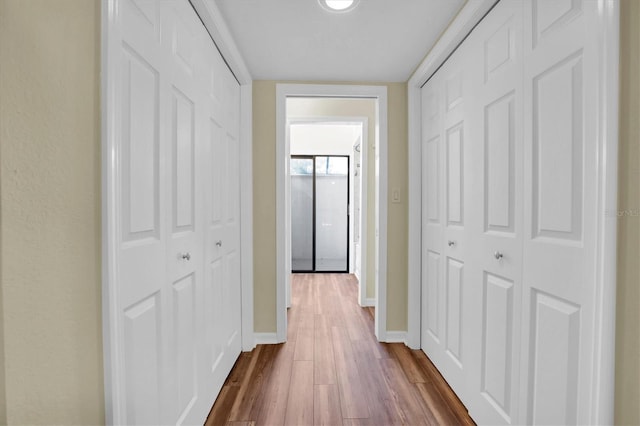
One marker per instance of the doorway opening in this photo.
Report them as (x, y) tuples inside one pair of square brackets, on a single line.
[(320, 213), (318, 103)]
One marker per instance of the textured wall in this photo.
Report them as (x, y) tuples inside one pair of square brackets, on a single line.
[(264, 199), (50, 209), (627, 406)]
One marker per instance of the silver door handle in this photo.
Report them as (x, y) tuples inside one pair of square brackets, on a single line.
[(219, 243), (498, 255), (185, 256), (451, 243)]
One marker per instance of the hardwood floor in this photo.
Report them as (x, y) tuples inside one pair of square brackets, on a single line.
[(332, 371)]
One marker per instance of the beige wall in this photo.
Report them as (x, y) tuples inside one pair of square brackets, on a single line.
[(264, 179), (627, 406), (50, 210)]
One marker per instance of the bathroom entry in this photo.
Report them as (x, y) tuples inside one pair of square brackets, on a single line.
[(319, 213)]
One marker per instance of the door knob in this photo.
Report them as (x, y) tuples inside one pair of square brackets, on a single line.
[(451, 243), (498, 255), (219, 243), (185, 256)]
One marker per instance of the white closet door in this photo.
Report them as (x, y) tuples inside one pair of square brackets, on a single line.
[(561, 164), (432, 218), (185, 224), (495, 263), (143, 320), (176, 322), (446, 320), (222, 237)]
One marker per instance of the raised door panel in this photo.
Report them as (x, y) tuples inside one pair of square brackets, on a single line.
[(432, 295), (550, 16), (213, 314), (498, 344), (140, 156), (455, 175), (433, 179), (499, 50), (218, 150), (557, 151), (555, 357), (499, 165), (186, 346), (142, 361), (455, 312), (183, 159), (141, 20), (233, 184), (454, 90), (231, 298), (183, 42)]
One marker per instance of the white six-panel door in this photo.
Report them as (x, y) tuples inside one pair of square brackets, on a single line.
[(560, 213), (495, 267), (509, 143), (446, 232), (175, 323)]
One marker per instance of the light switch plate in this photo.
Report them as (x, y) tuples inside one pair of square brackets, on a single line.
[(395, 195)]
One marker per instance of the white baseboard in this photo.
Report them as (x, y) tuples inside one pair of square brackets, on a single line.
[(370, 301), (266, 338), (396, 337)]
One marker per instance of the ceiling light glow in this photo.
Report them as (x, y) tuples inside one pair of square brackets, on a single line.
[(338, 5)]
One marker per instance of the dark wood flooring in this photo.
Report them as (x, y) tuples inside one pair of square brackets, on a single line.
[(332, 371)]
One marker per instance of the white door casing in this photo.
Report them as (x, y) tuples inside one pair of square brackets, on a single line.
[(540, 272), (283, 232), (161, 69)]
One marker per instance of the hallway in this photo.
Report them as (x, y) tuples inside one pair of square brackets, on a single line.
[(332, 371)]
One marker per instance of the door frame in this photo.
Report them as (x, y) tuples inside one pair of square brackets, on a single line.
[(364, 203), (607, 32), (283, 208), (110, 178)]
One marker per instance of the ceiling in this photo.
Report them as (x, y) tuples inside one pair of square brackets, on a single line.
[(378, 41)]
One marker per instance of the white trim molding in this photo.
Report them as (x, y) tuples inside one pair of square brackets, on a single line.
[(221, 36), (266, 338), (394, 336), (368, 301), (108, 71), (464, 22), (283, 229), (603, 386), (246, 214)]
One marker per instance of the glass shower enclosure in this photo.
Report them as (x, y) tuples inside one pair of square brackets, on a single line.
[(319, 213)]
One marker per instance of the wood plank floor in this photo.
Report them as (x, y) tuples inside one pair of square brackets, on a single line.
[(332, 371)]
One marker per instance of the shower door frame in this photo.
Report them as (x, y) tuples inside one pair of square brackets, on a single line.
[(313, 215)]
